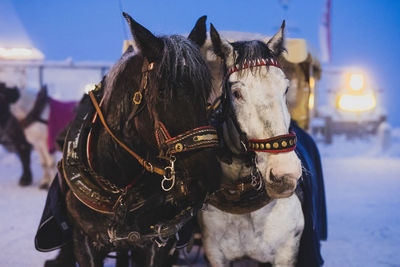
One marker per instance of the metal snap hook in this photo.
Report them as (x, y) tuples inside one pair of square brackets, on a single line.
[(169, 175), (256, 179)]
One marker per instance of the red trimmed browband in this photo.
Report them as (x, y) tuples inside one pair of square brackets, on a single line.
[(276, 144), (254, 63)]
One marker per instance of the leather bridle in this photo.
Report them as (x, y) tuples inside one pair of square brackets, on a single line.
[(198, 138), (276, 144), (246, 194), (101, 195)]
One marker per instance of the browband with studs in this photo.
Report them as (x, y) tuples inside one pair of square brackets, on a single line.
[(254, 63)]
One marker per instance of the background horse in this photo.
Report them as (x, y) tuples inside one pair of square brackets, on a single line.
[(11, 132), (41, 118), (147, 98), (255, 213)]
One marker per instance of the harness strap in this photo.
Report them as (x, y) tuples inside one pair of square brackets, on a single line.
[(147, 165), (201, 137), (138, 96)]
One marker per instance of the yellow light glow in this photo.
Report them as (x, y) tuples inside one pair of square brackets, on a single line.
[(311, 101), (356, 81), (312, 82), (357, 103)]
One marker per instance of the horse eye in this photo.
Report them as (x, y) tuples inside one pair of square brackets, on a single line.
[(237, 94)]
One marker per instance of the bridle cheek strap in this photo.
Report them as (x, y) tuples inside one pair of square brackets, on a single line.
[(276, 144), (201, 137)]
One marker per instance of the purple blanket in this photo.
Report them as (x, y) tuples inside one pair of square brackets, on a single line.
[(61, 113)]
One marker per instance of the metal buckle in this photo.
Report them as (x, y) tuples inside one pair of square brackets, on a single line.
[(148, 166), (137, 98), (162, 241), (169, 175)]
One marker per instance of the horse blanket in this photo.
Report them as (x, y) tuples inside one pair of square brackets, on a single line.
[(314, 205), (61, 113)]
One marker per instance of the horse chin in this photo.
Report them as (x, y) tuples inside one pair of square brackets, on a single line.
[(281, 188)]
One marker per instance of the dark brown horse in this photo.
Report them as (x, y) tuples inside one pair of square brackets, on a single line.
[(11, 133), (139, 173)]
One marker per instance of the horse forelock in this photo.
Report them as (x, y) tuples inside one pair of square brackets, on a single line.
[(251, 50), (182, 60)]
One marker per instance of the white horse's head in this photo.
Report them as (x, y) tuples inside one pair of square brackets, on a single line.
[(255, 89)]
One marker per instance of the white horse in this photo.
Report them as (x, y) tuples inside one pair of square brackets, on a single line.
[(36, 134), (255, 213)]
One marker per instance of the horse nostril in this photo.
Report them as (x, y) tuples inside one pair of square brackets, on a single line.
[(272, 177)]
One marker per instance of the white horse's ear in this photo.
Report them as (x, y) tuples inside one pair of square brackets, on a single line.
[(275, 44), (222, 48)]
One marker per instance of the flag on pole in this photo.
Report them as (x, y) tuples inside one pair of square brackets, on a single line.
[(325, 33)]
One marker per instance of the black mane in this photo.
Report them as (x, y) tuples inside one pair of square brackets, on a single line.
[(182, 57)]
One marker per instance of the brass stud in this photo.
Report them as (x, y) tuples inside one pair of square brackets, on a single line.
[(275, 145), (267, 145), (256, 146), (262, 146), (137, 98), (291, 142), (284, 143), (178, 147)]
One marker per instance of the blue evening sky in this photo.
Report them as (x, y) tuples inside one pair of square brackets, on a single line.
[(364, 33)]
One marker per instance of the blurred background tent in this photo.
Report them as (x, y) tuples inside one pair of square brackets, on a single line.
[(15, 43)]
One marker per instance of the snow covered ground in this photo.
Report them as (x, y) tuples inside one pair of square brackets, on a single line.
[(363, 199)]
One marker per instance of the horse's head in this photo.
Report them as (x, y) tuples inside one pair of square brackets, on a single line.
[(154, 95), (256, 110), (7, 97)]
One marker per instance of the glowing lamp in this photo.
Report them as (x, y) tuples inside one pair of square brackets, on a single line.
[(357, 103), (356, 81)]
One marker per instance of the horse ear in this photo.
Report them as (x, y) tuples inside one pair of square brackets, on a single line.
[(222, 48), (275, 44), (148, 44), (198, 35), (12, 95)]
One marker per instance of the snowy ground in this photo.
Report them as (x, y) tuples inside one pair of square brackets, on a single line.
[(363, 199)]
